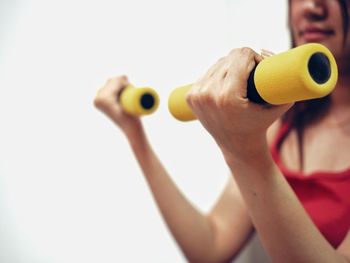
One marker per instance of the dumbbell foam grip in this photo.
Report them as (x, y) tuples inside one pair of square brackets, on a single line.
[(139, 101), (305, 72)]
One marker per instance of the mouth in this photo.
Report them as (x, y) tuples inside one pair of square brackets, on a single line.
[(314, 34)]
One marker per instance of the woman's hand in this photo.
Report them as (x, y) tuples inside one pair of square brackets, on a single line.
[(220, 102), (106, 100)]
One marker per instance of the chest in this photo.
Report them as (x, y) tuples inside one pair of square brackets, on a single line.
[(323, 150), (319, 197)]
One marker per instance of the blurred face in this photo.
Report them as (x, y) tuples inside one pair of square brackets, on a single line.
[(320, 21)]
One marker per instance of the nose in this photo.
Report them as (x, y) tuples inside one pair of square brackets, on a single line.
[(315, 9)]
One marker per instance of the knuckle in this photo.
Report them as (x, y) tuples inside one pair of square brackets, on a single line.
[(193, 98), (102, 100), (189, 97), (246, 50), (221, 102), (221, 60), (118, 79), (233, 51), (98, 102), (123, 77), (222, 99), (207, 98)]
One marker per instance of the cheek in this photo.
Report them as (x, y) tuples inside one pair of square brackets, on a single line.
[(294, 20)]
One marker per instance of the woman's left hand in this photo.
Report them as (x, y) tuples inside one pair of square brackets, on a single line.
[(219, 100)]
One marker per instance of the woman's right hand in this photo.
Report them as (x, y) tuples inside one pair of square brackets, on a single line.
[(107, 101)]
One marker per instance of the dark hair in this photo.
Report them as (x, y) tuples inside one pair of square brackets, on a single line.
[(306, 112)]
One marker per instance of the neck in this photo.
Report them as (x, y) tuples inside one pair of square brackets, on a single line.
[(341, 94)]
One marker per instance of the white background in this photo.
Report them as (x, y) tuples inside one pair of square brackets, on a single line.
[(70, 189)]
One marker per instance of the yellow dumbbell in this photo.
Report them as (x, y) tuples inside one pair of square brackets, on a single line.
[(305, 72), (139, 101)]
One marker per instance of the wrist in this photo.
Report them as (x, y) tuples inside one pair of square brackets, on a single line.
[(133, 130), (254, 155), (245, 149), (137, 138)]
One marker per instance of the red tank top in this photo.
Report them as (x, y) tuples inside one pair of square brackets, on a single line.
[(324, 195)]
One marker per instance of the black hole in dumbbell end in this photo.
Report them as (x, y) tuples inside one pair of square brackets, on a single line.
[(319, 68), (147, 101)]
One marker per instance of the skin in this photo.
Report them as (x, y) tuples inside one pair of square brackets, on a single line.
[(257, 192), (334, 128)]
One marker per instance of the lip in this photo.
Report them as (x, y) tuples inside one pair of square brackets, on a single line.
[(313, 34)]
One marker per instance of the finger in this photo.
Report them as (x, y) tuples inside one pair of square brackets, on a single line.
[(211, 77), (118, 82), (216, 72), (257, 58), (117, 85), (215, 67), (266, 53), (243, 62)]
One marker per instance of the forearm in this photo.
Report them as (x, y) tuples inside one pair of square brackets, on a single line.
[(287, 232), (192, 230)]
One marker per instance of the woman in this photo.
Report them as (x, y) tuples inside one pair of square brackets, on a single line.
[(282, 176)]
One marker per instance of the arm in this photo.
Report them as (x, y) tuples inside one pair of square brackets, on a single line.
[(344, 248), (215, 237), (239, 128), (286, 230)]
